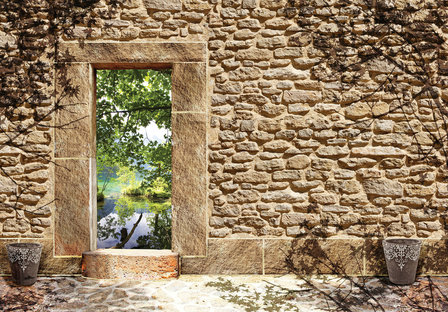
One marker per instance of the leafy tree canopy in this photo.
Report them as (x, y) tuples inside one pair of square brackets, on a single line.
[(127, 101)]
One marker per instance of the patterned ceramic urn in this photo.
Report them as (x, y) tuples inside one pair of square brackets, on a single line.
[(24, 260), (402, 258)]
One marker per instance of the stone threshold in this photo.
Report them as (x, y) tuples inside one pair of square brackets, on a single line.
[(137, 264)]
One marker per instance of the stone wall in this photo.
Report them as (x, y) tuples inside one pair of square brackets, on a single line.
[(310, 145)]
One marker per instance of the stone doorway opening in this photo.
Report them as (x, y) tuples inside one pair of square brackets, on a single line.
[(133, 158), (75, 218)]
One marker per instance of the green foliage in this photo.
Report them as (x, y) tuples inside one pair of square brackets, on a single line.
[(159, 189), (129, 100), (160, 238)]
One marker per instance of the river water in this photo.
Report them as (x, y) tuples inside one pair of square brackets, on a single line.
[(111, 227)]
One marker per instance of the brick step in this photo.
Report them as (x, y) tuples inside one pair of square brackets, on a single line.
[(140, 264)]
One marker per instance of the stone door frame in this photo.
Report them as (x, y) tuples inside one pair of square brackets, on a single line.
[(75, 143)]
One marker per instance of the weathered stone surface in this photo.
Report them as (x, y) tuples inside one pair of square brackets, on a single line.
[(380, 151), (286, 175), (415, 190), (154, 52), (252, 177), (286, 133), (313, 256), (283, 196), (383, 187), (285, 73), (358, 110), (227, 256), (254, 55), (245, 73), (7, 185), (270, 165), (433, 257), (332, 151), (73, 137), (243, 196), (72, 227), (189, 87), (189, 177), (165, 5), (298, 162), (302, 96), (140, 264), (303, 219)]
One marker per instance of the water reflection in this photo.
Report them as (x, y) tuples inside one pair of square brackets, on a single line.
[(117, 216)]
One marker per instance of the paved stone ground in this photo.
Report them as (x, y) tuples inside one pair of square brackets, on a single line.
[(225, 293)]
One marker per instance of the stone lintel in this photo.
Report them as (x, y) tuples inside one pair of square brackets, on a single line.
[(126, 52), (227, 256)]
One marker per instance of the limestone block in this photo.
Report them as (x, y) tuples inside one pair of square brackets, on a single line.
[(247, 146), (283, 196), (139, 264), (303, 186), (227, 256), (226, 210), (243, 196), (386, 151), (383, 187), (189, 196), (254, 55), (7, 185), (252, 177), (49, 264), (189, 87), (273, 4), (302, 96), (276, 146), (270, 165), (355, 163), (314, 256), (73, 121), (374, 257), (416, 190), (163, 5), (298, 162), (289, 52), (72, 228), (271, 43), (400, 229), (254, 222), (332, 151), (286, 74), (358, 110), (424, 214), (245, 73), (287, 175), (15, 226), (249, 4), (433, 256), (249, 23), (323, 198)]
